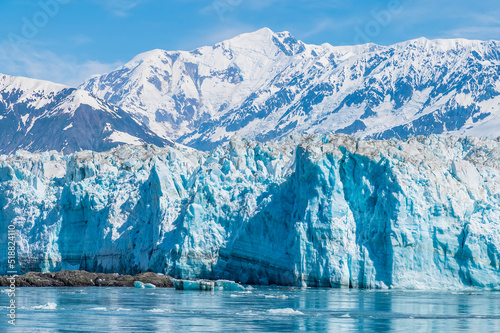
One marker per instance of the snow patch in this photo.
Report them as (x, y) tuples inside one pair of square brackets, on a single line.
[(123, 137)]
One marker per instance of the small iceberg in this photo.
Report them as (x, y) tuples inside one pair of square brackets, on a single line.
[(285, 312), (229, 285), (149, 286), (193, 285), (48, 306), (207, 285), (139, 284)]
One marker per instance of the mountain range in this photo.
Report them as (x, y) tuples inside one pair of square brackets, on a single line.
[(263, 86), (40, 116)]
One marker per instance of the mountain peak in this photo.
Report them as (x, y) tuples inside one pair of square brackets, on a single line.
[(264, 40), (263, 33)]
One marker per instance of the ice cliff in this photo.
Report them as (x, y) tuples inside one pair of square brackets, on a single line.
[(326, 210)]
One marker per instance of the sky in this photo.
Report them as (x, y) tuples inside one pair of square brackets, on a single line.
[(67, 41)]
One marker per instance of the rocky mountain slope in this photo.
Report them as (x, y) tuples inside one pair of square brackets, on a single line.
[(40, 116)]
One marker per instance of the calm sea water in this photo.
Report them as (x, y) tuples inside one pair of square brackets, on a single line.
[(258, 310)]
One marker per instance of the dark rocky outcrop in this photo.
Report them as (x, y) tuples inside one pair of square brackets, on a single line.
[(85, 279)]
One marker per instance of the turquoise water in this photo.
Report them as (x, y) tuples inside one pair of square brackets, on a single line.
[(258, 310)]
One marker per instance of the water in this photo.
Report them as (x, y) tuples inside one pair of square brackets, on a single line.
[(258, 310)]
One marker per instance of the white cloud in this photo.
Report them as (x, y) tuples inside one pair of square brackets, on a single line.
[(45, 65)]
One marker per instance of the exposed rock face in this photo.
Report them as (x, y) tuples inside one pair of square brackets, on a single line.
[(319, 211)]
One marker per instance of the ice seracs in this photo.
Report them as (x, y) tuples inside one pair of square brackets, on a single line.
[(322, 210)]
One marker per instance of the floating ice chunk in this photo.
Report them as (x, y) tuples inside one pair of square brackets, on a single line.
[(207, 285), (285, 312), (48, 306), (247, 313), (149, 286), (229, 285), (139, 284), (178, 284), (193, 285), (160, 310), (278, 296), (99, 309)]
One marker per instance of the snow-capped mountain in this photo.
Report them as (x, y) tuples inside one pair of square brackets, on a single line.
[(39, 116), (265, 85)]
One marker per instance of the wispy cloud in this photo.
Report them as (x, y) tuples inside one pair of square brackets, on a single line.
[(120, 7), (323, 25), (318, 27), (477, 26), (81, 39), (482, 33), (45, 65)]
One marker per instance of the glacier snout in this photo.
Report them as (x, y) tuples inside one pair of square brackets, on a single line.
[(311, 210)]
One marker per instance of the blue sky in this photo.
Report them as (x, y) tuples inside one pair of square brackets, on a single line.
[(68, 40)]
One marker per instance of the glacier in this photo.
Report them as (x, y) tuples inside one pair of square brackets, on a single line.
[(309, 210)]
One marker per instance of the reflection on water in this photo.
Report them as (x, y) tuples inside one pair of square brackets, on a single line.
[(258, 310)]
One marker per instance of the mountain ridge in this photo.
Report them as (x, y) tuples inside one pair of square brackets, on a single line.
[(202, 97), (38, 115), (265, 85)]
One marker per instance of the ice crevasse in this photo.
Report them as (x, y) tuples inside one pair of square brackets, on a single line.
[(324, 210)]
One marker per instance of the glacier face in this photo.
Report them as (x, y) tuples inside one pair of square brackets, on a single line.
[(324, 210), (266, 85)]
